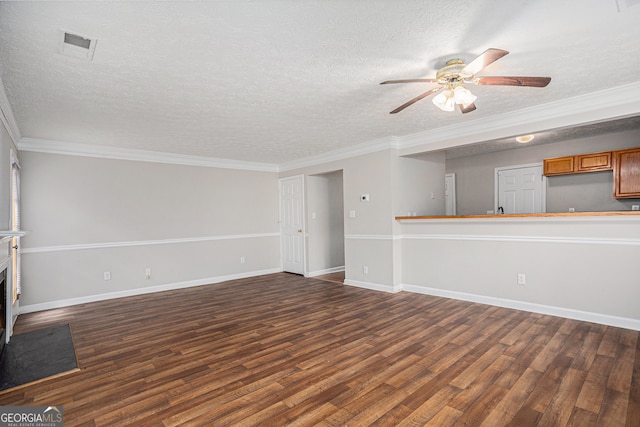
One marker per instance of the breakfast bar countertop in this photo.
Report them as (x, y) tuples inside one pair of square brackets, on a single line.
[(524, 216)]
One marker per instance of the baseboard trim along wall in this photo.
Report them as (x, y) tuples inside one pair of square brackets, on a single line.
[(373, 286), (603, 319), (140, 291), (325, 271)]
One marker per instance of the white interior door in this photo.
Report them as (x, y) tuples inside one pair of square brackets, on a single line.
[(450, 193), (520, 190), (292, 224)]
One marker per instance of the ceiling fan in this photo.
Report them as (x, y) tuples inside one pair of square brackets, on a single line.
[(452, 77)]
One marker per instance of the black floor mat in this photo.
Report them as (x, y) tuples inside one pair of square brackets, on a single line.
[(37, 355)]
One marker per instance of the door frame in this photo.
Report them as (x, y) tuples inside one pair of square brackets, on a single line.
[(496, 180), (303, 246)]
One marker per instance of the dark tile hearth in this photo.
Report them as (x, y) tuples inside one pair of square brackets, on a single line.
[(36, 355)]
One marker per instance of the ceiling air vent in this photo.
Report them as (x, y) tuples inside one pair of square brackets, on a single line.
[(76, 45)]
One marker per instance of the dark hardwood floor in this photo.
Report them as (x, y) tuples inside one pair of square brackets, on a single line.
[(284, 350)]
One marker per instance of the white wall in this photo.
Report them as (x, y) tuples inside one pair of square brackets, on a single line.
[(581, 268), (189, 225), (415, 181), (368, 235)]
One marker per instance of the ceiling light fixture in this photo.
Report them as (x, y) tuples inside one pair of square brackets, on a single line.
[(525, 138), (445, 100), (452, 77), (456, 93)]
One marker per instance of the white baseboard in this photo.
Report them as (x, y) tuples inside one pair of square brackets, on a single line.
[(325, 271), (603, 319), (373, 286), (140, 291)]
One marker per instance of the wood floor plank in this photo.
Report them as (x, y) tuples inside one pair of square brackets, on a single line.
[(508, 406), (633, 408), (281, 349), (561, 407)]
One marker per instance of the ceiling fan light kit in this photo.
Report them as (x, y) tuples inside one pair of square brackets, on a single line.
[(447, 99), (444, 101), (463, 96), (452, 77)]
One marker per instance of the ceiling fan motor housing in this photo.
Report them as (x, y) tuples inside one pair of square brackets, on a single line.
[(452, 72)]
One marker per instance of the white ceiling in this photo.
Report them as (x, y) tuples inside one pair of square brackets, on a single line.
[(274, 81)]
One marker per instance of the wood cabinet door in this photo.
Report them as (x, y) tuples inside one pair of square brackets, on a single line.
[(594, 162), (559, 166), (626, 173)]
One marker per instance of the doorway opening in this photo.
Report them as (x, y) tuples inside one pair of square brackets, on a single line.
[(325, 230)]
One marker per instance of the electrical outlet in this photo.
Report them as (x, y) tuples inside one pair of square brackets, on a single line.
[(365, 269), (572, 209), (352, 214), (242, 260), (635, 207), (522, 279), (107, 275), (147, 273)]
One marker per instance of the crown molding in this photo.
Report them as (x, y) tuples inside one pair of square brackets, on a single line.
[(100, 151), (7, 117), (389, 142), (597, 106)]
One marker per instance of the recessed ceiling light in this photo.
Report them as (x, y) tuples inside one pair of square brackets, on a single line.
[(525, 138)]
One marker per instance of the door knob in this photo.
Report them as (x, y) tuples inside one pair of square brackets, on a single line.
[(299, 230)]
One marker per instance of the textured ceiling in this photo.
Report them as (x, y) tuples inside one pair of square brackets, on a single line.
[(278, 80)]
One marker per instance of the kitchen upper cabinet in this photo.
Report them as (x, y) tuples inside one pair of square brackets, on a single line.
[(559, 165), (594, 162), (581, 163), (626, 173), (624, 163)]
